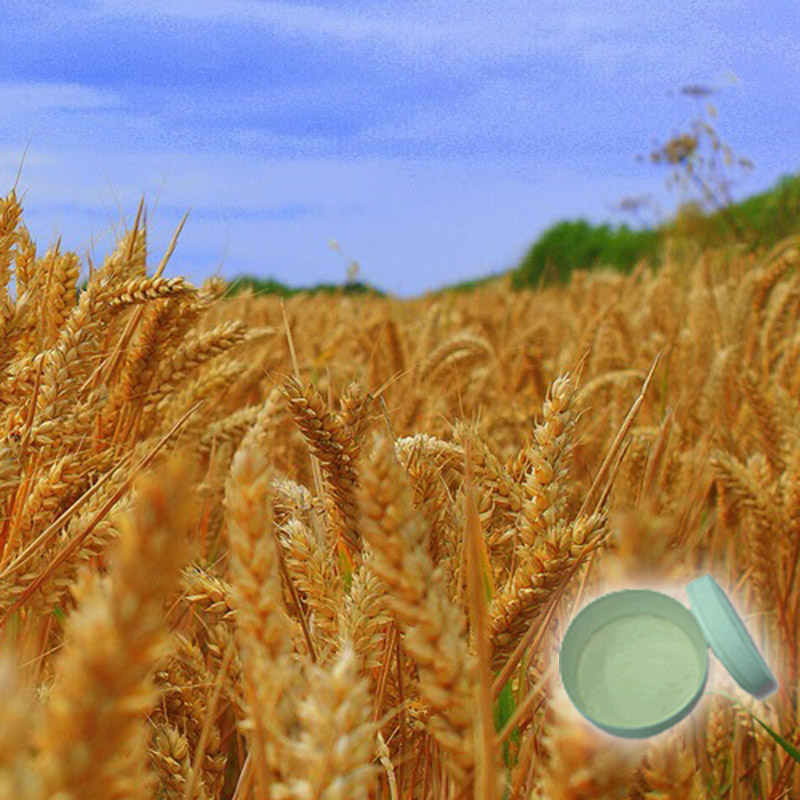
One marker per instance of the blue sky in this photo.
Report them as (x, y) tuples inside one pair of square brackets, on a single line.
[(433, 140)]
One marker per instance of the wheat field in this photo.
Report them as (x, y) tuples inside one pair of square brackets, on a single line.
[(328, 548)]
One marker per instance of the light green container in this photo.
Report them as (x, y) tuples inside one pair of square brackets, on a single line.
[(635, 662)]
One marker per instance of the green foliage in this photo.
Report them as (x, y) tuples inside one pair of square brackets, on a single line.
[(784, 743), (790, 748), (757, 222), (503, 711), (471, 285), (258, 286), (579, 245), (760, 221), (261, 286), (765, 218)]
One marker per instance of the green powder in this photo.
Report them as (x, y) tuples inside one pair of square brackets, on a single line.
[(637, 670)]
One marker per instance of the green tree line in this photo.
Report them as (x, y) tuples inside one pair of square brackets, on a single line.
[(757, 222)]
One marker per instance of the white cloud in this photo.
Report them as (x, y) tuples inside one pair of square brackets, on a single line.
[(32, 98), (460, 33), (289, 18), (412, 223), (523, 72), (11, 157)]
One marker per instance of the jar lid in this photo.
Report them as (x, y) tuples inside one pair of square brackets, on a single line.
[(728, 637)]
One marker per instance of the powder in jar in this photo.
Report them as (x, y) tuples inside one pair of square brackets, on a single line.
[(636, 670)]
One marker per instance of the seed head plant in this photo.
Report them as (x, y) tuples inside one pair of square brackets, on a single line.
[(326, 546)]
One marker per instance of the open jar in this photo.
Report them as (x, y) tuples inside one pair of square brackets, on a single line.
[(635, 662)]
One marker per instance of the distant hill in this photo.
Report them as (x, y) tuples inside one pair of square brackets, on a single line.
[(271, 286), (757, 222)]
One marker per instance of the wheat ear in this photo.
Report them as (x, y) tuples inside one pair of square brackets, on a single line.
[(93, 738)]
